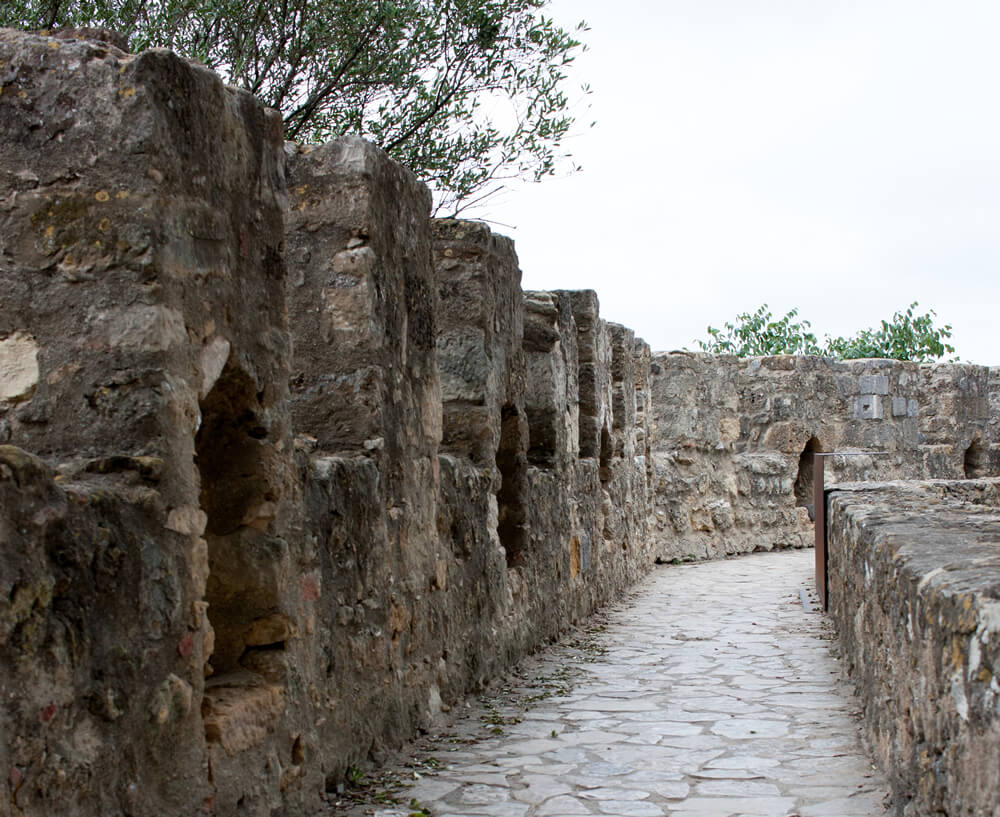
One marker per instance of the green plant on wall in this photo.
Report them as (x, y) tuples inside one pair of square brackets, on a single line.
[(758, 333), (469, 94), (908, 336)]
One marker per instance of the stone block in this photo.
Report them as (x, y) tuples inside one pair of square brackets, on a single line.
[(873, 384), (593, 373), (899, 407), (144, 326), (868, 407)]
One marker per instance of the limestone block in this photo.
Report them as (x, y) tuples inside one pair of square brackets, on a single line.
[(551, 384), (240, 713), (873, 384), (18, 366), (868, 407), (141, 210)]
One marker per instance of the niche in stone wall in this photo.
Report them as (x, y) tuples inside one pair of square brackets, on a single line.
[(542, 437), (232, 453), (607, 451), (510, 459), (976, 461), (804, 478)]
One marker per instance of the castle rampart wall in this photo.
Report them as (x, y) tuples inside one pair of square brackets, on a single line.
[(286, 467), (733, 438)]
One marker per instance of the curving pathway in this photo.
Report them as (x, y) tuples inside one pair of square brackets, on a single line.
[(711, 692)]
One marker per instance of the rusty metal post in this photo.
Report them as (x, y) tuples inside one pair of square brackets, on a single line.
[(819, 518), (819, 527)]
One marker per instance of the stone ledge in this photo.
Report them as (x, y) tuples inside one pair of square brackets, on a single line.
[(915, 593)]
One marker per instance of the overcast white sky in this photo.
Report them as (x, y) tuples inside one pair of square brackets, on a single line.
[(839, 157)]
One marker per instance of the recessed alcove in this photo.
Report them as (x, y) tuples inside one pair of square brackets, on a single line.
[(231, 452), (975, 463), (511, 516), (804, 477), (607, 451)]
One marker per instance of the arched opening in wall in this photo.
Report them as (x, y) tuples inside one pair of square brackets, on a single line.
[(231, 452), (976, 462), (511, 515), (607, 451), (804, 478)]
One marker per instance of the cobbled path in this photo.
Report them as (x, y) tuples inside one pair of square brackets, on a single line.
[(712, 692)]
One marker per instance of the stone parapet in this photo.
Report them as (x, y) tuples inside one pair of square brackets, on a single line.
[(732, 440), (286, 468), (913, 575)]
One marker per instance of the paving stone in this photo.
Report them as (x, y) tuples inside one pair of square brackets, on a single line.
[(617, 794), (558, 806), (749, 728), (604, 769), (631, 808), (479, 795), (716, 696), (738, 788)]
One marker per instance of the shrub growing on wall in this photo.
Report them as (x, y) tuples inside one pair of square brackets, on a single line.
[(906, 337)]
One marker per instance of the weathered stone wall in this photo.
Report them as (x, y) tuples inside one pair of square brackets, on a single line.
[(143, 311), (914, 578), (732, 440), (285, 466)]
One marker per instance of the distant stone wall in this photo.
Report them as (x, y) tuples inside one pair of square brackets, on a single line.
[(285, 466), (915, 594), (733, 438)]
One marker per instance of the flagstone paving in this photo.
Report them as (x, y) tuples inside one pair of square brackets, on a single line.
[(711, 692)]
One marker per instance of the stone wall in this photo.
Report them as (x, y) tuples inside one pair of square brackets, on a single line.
[(285, 466), (915, 594), (732, 440)]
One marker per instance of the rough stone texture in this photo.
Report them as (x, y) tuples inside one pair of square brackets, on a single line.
[(914, 578), (140, 232), (732, 440), (257, 527)]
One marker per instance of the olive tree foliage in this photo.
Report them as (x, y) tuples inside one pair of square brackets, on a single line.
[(907, 336), (469, 94)]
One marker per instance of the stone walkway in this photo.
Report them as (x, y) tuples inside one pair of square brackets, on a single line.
[(710, 693)]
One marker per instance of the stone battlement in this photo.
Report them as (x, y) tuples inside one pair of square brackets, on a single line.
[(286, 467)]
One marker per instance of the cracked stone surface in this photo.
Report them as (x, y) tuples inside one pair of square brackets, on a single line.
[(710, 692)]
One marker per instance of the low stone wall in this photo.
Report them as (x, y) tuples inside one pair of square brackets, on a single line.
[(914, 579), (285, 466), (733, 439)]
